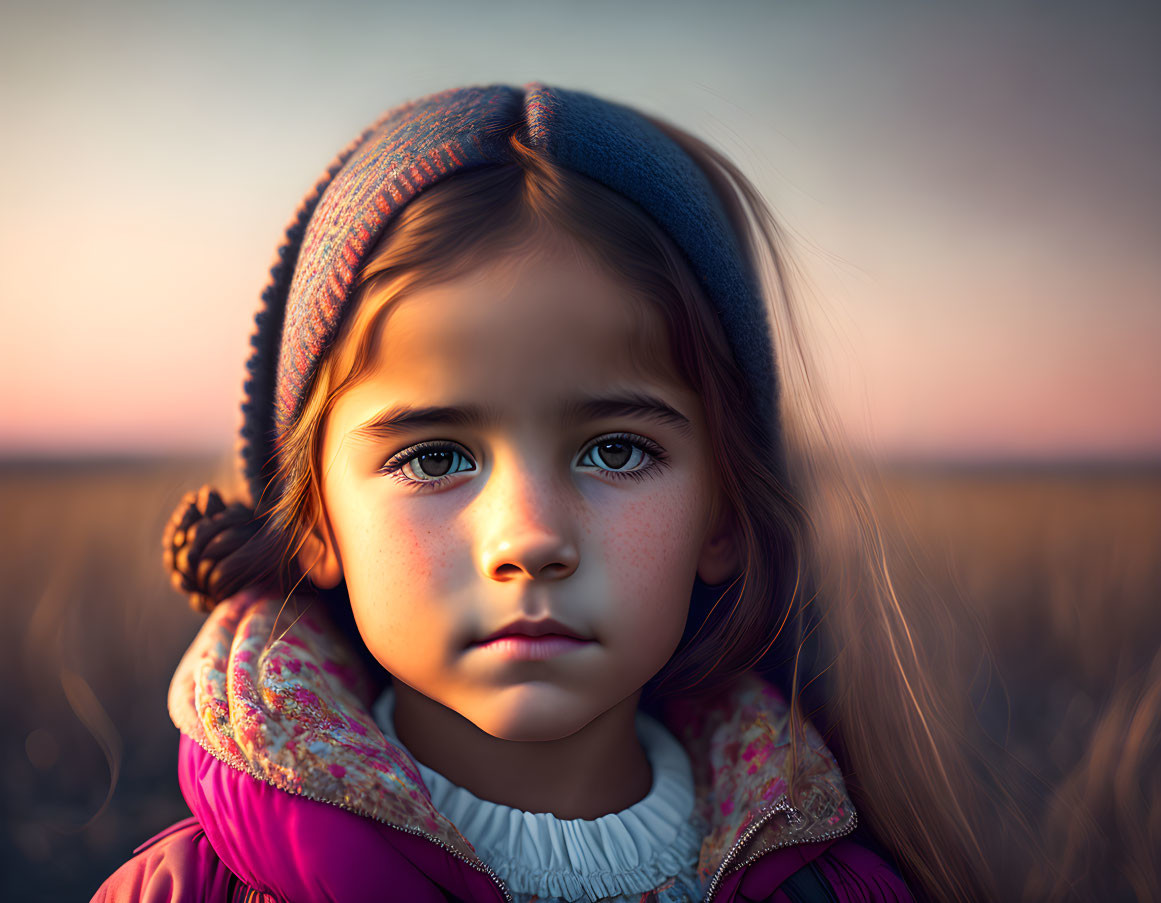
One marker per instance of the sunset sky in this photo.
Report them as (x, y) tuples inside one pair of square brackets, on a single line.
[(972, 189)]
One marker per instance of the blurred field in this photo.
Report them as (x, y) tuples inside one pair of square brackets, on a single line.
[(1062, 569)]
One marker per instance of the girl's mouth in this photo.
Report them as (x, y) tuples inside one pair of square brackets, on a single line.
[(521, 648)]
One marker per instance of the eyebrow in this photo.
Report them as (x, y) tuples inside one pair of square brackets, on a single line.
[(400, 419)]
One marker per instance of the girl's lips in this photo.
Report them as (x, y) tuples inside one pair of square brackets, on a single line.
[(520, 648)]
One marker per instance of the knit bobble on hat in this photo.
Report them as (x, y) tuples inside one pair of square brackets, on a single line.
[(200, 540)]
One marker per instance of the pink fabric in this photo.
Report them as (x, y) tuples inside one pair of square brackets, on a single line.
[(177, 866), (859, 876), (855, 875), (310, 852), (301, 851), (761, 879)]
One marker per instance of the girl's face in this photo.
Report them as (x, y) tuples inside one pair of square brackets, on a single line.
[(513, 456)]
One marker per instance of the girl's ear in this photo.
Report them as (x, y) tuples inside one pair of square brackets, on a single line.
[(319, 556), (720, 558)]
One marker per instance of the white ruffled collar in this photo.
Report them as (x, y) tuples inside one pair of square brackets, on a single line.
[(541, 856)]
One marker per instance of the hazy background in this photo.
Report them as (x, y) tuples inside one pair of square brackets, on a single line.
[(974, 199), (973, 188)]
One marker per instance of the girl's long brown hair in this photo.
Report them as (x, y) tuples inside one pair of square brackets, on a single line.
[(816, 605)]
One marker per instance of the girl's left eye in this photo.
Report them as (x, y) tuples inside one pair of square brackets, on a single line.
[(623, 455)]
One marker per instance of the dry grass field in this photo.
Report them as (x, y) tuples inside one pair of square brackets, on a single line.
[(1062, 570)]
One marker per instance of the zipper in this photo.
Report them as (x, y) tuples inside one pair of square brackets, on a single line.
[(793, 816), (478, 864)]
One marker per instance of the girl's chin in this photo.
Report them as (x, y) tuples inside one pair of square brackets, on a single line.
[(538, 713)]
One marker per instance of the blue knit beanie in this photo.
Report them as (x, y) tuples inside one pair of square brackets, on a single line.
[(418, 144)]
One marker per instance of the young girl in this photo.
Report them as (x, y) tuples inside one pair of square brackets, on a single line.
[(524, 603)]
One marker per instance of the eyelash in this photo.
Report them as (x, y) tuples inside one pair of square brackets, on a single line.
[(394, 466)]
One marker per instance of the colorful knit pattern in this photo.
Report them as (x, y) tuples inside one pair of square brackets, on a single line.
[(286, 700), (741, 752), (420, 143)]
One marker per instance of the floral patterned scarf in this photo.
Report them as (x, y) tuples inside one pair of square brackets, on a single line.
[(286, 700)]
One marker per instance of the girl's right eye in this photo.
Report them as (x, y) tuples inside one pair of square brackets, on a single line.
[(428, 464)]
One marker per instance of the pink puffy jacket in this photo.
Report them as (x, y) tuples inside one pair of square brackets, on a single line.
[(299, 798)]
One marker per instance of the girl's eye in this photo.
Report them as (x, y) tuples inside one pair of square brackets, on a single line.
[(431, 464), (623, 454), (428, 464)]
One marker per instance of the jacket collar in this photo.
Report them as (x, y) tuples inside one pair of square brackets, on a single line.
[(288, 702)]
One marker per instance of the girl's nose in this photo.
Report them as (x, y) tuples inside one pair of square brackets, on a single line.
[(527, 531), (535, 554)]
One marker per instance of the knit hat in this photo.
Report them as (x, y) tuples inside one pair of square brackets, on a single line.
[(418, 144)]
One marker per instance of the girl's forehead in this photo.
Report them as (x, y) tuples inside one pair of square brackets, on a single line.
[(540, 339), (550, 322)]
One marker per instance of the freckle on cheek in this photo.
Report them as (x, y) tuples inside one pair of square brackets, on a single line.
[(420, 564), (408, 553), (652, 530)]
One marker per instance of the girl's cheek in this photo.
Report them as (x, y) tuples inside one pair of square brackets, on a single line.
[(653, 541), (410, 552), (413, 551)]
